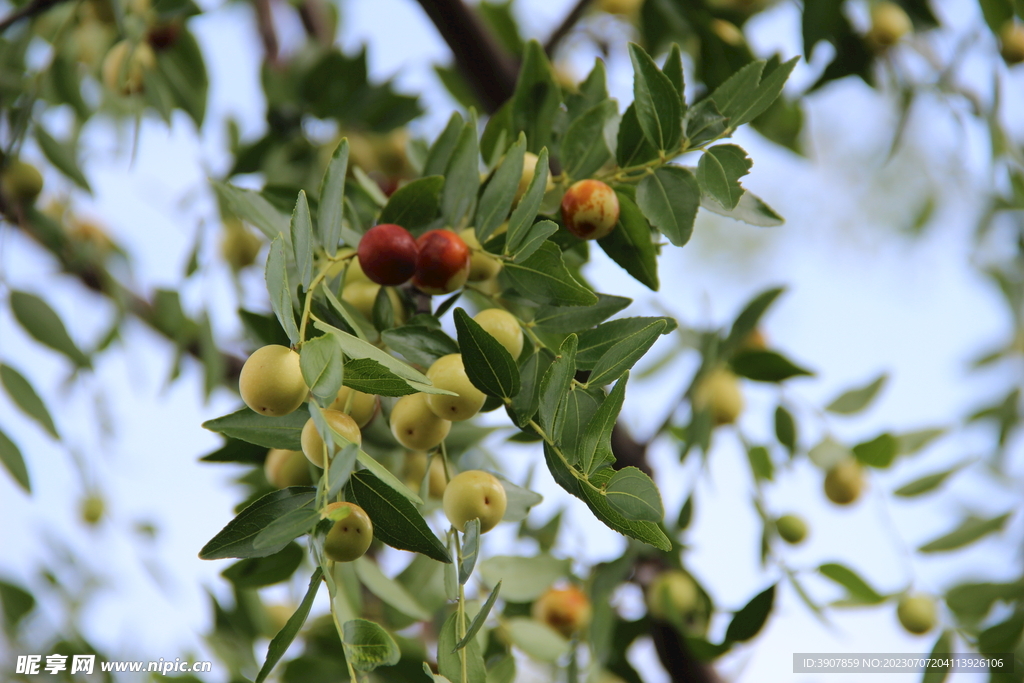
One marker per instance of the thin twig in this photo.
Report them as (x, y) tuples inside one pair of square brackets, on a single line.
[(265, 25), (563, 29)]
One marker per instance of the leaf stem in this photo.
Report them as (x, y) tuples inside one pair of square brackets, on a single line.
[(460, 624)]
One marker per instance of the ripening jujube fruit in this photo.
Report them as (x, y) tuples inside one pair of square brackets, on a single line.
[(843, 483), (671, 595), (313, 443), (271, 381), (387, 254), (590, 209), (286, 468), (791, 529), (449, 372), (889, 23), (529, 170), (482, 265), (360, 407), (1011, 42), (127, 78), (504, 327), (474, 494), (917, 613), (443, 262), (719, 392), (350, 537), (566, 610), (415, 426), (21, 182)]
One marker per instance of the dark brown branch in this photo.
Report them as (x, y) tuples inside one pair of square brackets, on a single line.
[(30, 10), (314, 19), (489, 71), (563, 29), (265, 25)]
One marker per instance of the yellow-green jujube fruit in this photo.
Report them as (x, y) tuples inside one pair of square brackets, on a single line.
[(917, 613), (889, 23), (719, 392), (1011, 42), (504, 327), (313, 443), (672, 595), (21, 182), (791, 528), (416, 426), (474, 494), (567, 610), (482, 265), (93, 508), (448, 372), (271, 381), (238, 245), (362, 294), (125, 66), (844, 482), (351, 535), (286, 468), (361, 407), (438, 480), (529, 169)]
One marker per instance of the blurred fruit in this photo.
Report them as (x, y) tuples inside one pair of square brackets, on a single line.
[(567, 610), (672, 595), (791, 528), (917, 613), (529, 169), (125, 67), (719, 392), (889, 23), (844, 482), (1011, 42), (286, 468), (238, 245), (21, 182), (92, 509)]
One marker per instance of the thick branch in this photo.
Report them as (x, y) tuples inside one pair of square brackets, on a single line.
[(563, 29), (268, 33), (487, 69)]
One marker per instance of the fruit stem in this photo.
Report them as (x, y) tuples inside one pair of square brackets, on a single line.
[(309, 300)]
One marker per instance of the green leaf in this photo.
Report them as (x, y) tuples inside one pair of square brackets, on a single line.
[(972, 529), (235, 450), (911, 442), (523, 579), (673, 68), (479, 619), (415, 204), (252, 208), (704, 123), (420, 344), (746, 94), (625, 353), (62, 155), (760, 463), (632, 147), (489, 365), (647, 532), (594, 449), (185, 73), (12, 459), (462, 179), (855, 400), (785, 429), (858, 589), (395, 519), (370, 377), (748, 621), (973, 601), (544, 278), (584, 149), (879, 452), (534, 238), (500, 192), (322, 368), (389, 590), (45, 326), (538, 640), (470, 550), (332, 197), (524, 405), (368, 646), (256, 572), (279, 645), (937, 671), (719, 171), (17, 603), (634, 495), (236, 539), (630, 244), (342, 466), (449, 660), (303, 242), (591, 92), (279, 289), (526, 210), (563, 320), (927, 483), (520, 500), (657, 101), (750, 209), (269, 432), (596, 343), (765, 366), (26, 398), (749, 318), (286, 529), (554, 387), (536, 99), (669, 198), (580, 407), (441, 151)]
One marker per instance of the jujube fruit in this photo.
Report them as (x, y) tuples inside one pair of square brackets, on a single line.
[(443, 262), (350, 537), (362, 294), (359, 406), (238, 245), (672, 595), (449, 373), (719, 392), (567, 610), (504, 327), (313, 443), (529, 170), (271, 381), (917, 613), (843, 483), (415, 426), (791, 528), (482, 265), (286, 468), (387, 254), (474, 494), (1011, 42), (125, 66), (590, 209), (21, 182), (889, 23)]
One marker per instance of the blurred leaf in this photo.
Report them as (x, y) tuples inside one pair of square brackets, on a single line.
[(332, 199), (583, 149), (252, 208), (488, 364), (502, 21), (457, 87), (938, 672), (1004, 636), (45, 326), (12, 459), (62, 155), (256, 572), (303, 242), (859, 590), (748, 621), (927, 483), (630, 244), (749, 318), (785, 428), (537, 640), (280, 291), (236, 539), (470, 550), (441, 151), (669, 198), (449, 659), (500, 192), (389, 590), (765, 366), (911, 442), (17, 603), (536, 99), (972, 529), (750, 209), (855, 400), (263, 329), (269, 432), (523, 579), (479, 619), (973, 601), (879, 452), (760, 463), (26, 398), (719, 171), (184, 72)]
